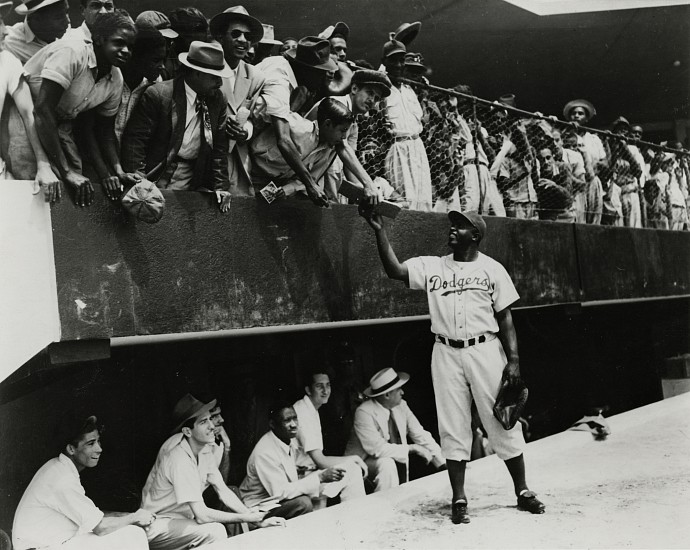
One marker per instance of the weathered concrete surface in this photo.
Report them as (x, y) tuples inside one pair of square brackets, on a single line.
[(286, 264), (629, 491)]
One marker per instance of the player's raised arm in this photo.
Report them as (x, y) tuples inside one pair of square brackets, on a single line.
[(394, 269)]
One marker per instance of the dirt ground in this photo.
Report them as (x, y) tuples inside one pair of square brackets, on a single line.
[(631, 490)]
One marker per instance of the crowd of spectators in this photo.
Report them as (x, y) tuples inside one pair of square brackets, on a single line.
[(218, 104)]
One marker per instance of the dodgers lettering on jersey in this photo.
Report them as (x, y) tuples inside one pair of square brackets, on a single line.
[(463, 296)]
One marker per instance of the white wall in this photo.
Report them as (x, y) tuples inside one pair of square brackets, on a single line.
[(28, 294)]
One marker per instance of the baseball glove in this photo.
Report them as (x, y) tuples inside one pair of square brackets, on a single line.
[(510, 403)]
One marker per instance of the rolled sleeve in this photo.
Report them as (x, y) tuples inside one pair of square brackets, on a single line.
[(62, 65)]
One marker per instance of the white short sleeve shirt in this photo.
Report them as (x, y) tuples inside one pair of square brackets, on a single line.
[(176, 479), (309, 437), (463, 296), (54, 507)]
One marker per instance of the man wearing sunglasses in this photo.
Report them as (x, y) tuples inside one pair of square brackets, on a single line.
[(236, 31)]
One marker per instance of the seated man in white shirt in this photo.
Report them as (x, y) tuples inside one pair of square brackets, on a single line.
[(55, 512), (381, 430), (310, 455), (185, 467), (272, 472)]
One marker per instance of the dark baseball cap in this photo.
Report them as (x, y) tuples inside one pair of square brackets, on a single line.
[(155, 20), (473, 217)]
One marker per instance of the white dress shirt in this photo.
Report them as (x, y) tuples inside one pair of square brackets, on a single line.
[(191, 142)]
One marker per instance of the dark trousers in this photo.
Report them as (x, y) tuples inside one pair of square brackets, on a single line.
[(292, 508)]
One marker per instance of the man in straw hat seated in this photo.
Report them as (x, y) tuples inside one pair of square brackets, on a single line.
[(187, 464), (176, 134), (55, 512), (383, 424)]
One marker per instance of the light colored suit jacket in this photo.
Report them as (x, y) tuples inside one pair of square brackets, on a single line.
[(248, 85), (370, 434)]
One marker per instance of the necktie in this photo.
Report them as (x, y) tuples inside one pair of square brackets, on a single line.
[(394, 434), (202, 110)]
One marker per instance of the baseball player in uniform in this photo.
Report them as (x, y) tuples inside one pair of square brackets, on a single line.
[(469, 295)]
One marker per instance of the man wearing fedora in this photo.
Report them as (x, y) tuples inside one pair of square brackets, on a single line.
[(176, 134), (382, 428), (309, 68), (55, 512), (236, 30), (186, 465), (581, 111), (470, 296), (44, 22), (267, 46)]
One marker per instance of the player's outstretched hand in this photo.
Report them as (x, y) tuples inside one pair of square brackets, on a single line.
[(373, 218)]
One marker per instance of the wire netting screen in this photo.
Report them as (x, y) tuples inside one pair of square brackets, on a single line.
[(473, 154)]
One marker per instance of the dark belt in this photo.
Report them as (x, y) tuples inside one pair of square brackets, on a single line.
[(461, 343), (406, 138)]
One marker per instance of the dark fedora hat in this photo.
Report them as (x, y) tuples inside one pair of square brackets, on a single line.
[(407, 32), (370, 77), (313, 52), (219, 22), (189, 407), (393, 47)]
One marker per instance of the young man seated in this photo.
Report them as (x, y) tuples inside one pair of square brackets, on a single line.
[(55, 512), (185, 151), (310, 455), (272, 471), (186, 465), (317, 143)]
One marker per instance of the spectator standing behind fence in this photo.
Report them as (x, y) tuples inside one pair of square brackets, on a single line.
[(624, 173), (480, 192), (176, 135), (61, 76), (293, 82), (567, 154), (407, 165), (554, 187), (191, 26), (513, 168), (581, 112), (142, 70), (236, 30), (43, 24), (367, 89), (90, 9), (13, 85)]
